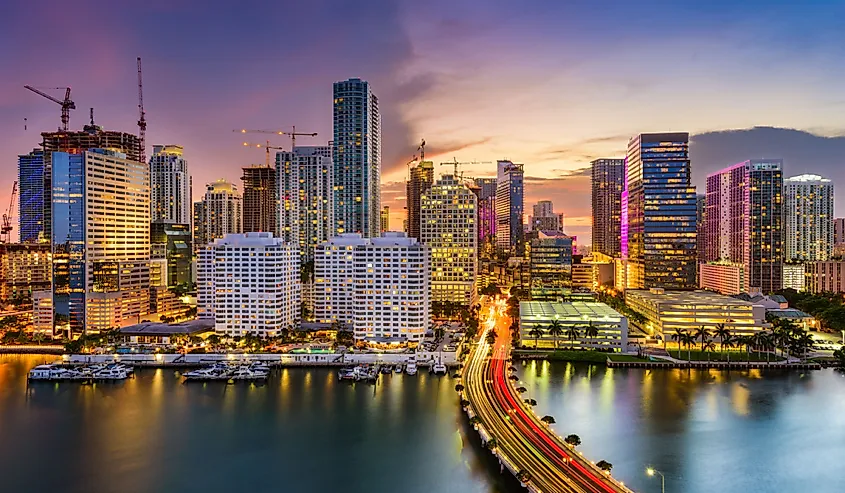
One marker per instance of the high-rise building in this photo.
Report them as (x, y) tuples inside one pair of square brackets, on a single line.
[(175, 240), (356, 149), (509, 208), (659, 223), (808, 217), (744, 214), (385, 218), (379, 287), (420, 179), (91, 137), (607, 184), (551, 265), (260, 199), (486, 192), (218, 213), (101, 238), (310, 216), (31, 197), (170, 186), (825, 276), (838, 237), (249, 284), (448, 227), (700, 227)]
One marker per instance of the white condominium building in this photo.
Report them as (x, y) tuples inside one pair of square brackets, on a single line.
[(808, 218), (378, 286), (170, 186), (305, 197), (219, 213), (448, 227), (249, 284)]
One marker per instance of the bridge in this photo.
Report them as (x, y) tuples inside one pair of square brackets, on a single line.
[(525, 445)]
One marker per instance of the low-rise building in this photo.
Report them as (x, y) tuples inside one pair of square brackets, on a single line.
[(794, 276), (160, 333), (550, 254), (24, 269), (596, 325), (582, 275), (42, 312), (666, 312), (726, 278)]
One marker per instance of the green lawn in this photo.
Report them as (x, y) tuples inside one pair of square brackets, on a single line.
[(697, 355), (585, 356), (627, 358)]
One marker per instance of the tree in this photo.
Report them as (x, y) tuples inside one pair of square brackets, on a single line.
[(491, 337), (491, 290), (459, 388), (549, 420), (491, 443), (688, 340), (439, 331), (591, 331), (464, 403), (521, 390), (604, 465), (536, 333), (722, 332), (702, 333), (839, 356), (728, 341), (678, 337), (530, 402), (764, 340), (708, 346), (572, 334), (475, 420), (523, 476), (573, 440), (555, 330)]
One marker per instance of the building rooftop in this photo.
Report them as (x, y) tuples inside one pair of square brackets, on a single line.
[(658, 296), (159, 329), (789, 313), (574, 310)]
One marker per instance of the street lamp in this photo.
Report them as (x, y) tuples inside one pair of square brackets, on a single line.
[(652, 471)]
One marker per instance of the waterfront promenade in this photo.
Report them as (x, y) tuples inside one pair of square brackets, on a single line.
[(524, 445)]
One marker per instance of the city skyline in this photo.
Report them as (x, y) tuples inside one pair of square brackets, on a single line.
[(422, 83)]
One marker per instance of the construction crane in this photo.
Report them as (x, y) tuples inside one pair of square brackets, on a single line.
[(421, 148), (455, 163), (292, 134), (267, 148), (66, 104), (142, 121), (6, 229)]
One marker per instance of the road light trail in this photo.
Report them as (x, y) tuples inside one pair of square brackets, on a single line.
[(522, 439)]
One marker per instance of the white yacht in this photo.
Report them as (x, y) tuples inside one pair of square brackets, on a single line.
[(113, 373), (438, 368), (411, 369)]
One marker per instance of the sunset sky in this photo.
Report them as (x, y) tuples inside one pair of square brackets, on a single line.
[(551, 84)]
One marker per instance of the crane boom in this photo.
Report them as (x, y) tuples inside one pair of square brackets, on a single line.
[(292, 134), (67, 104), (142, 120), (266, 147)]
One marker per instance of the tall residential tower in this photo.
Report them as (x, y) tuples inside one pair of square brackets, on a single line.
[(808, 215), (420, 179), (170, 186), (218, 213), (509, 208), (607, 184), (357, 158)]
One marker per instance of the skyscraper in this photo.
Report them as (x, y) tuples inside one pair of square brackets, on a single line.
[(32, 195), (744, 214), (306, 176), (839, 237), (448, 227), (170, 186), (544, 217), (421, 178), (357, 158), (509, 208), (659, 223), (91, 137), (607, 184), (260, 199), (551, 264), (808, 215), (218, 213), (100, 233), (486, 191)]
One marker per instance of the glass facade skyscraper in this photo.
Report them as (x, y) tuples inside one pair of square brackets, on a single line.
[(31, 202), (356, 153), (661, 213), (607, 183), (510, 233)]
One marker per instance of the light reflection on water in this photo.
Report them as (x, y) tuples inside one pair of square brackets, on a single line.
[(707, 430)]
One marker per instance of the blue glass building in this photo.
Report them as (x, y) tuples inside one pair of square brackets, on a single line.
[(661, 213), (68, 237), (31, 192)]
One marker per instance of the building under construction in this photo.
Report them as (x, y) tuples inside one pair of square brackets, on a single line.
[(420, 180), (260, 198), (91, 137)]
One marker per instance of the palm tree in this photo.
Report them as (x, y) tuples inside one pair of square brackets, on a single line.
[(678, 337), (572, 334), (702, 333), (555, 330), (765, 340), (722, 332), (592, 332), (708, 346), (688, 340), (728, 341), (536, 333)]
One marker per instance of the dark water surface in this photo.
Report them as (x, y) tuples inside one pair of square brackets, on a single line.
[(301, 432), (707, 431), (304, 431)]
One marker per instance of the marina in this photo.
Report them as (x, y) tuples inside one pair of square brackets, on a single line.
[(83, 373), (229, 372)]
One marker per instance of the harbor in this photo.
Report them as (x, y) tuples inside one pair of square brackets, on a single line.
[(82, 373)]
